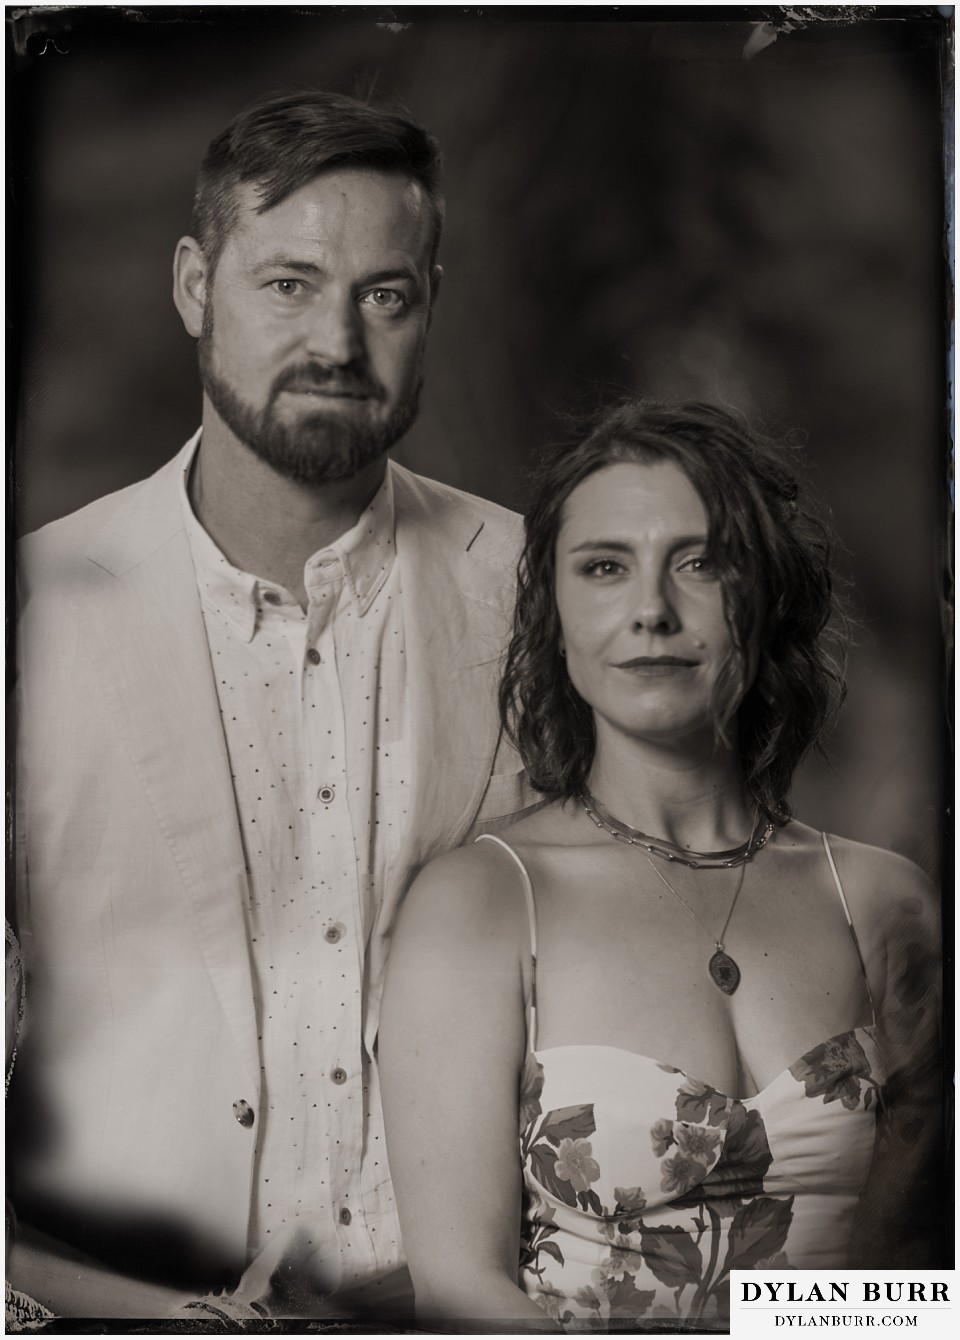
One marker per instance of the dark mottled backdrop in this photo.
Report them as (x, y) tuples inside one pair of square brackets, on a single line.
[(632, 204)]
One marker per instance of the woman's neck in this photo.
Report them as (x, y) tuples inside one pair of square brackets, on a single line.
[(693, 796)]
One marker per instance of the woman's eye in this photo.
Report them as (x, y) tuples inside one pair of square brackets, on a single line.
[(697, 563), (384, 299), (603, 567)]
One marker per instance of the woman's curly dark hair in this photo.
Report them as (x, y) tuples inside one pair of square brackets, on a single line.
[(772, 554)]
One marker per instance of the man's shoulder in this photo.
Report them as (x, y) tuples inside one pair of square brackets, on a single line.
[(432, 498), (111, 532)]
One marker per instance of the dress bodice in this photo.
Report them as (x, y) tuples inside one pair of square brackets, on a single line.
[(644, 1187)]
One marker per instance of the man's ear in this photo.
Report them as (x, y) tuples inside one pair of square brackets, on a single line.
[(436, 274), (190, 284)]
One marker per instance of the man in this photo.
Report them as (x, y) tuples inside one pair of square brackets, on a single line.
[(258, 691)]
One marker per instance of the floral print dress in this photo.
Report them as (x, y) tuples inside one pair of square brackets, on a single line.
[(644, 1187)]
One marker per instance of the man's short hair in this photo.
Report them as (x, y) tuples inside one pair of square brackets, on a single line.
[(282, 143)]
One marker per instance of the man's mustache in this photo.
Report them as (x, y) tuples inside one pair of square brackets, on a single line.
[(347, 381)]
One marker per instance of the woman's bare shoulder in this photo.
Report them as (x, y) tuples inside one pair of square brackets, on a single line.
[(470, 896), (551, 826), (884, 890), (879, 876)]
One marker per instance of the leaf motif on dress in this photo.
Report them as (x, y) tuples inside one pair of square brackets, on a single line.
[(543, 1159), (569, 1123), (700, 1103), (626, 1300), (550, 1248), (531, 1087), (758, 1231), (834, 1070), (590, 1202), (630, 1204), (672, 1255)]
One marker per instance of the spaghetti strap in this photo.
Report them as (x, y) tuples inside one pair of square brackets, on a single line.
[(846, 913), (532, 915)]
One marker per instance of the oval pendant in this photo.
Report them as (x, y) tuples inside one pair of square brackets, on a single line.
[(725, 973)]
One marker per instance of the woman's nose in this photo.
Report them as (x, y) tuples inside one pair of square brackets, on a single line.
[(653, 611)]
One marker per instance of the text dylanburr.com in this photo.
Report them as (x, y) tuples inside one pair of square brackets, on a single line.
[(788, 1302)]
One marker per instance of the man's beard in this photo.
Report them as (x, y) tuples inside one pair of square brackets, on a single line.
[(323, 445)]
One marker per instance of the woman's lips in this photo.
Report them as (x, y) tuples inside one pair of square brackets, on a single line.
[(656, 665)]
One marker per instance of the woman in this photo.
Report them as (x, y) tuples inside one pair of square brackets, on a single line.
[(697, 997)]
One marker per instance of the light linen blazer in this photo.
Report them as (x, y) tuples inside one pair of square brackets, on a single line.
[(142, 1033)]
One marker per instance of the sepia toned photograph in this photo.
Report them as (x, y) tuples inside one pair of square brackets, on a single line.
[(480, 845)]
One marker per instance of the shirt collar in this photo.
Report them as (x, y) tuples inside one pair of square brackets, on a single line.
[(363, 555)]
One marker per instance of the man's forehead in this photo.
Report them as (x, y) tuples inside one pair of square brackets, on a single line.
[(393, 198)]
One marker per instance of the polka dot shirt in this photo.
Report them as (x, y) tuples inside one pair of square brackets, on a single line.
[(312, 705)]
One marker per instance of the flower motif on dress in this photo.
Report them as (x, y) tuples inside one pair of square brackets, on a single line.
[(680, 1174), (739, 1172), (697, 1142), (835, 1069), (575, 1165), (587, 1297), (631, 1202), (559, 1156), (713, 1159), (551, 1299), (661, 1136), (629, 1198)]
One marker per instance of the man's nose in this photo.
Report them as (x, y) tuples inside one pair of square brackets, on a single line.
[(335, 332)]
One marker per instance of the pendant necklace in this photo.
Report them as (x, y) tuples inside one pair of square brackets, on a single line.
[(723, 970)]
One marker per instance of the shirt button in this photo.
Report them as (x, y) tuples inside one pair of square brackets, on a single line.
[(345, 1215), (332, 934), (313, 656), (243, 1112), (326, 794), (271, 597), (338, 1075)]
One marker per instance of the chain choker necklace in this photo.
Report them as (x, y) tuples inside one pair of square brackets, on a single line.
[(696, 860), (724, 971)]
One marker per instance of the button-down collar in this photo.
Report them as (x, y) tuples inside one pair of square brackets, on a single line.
[(363, 556)]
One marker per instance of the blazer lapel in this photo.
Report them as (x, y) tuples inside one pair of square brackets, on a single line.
[(154, 659), (456, 610), (455, 620)]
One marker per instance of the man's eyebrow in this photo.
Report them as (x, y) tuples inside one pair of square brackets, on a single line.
[(282, 262), (390, 276)]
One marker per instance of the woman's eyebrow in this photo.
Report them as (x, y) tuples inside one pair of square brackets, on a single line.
[(618, 546)]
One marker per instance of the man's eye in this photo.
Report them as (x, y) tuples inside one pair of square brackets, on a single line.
[(287, 288), (384, 299)]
